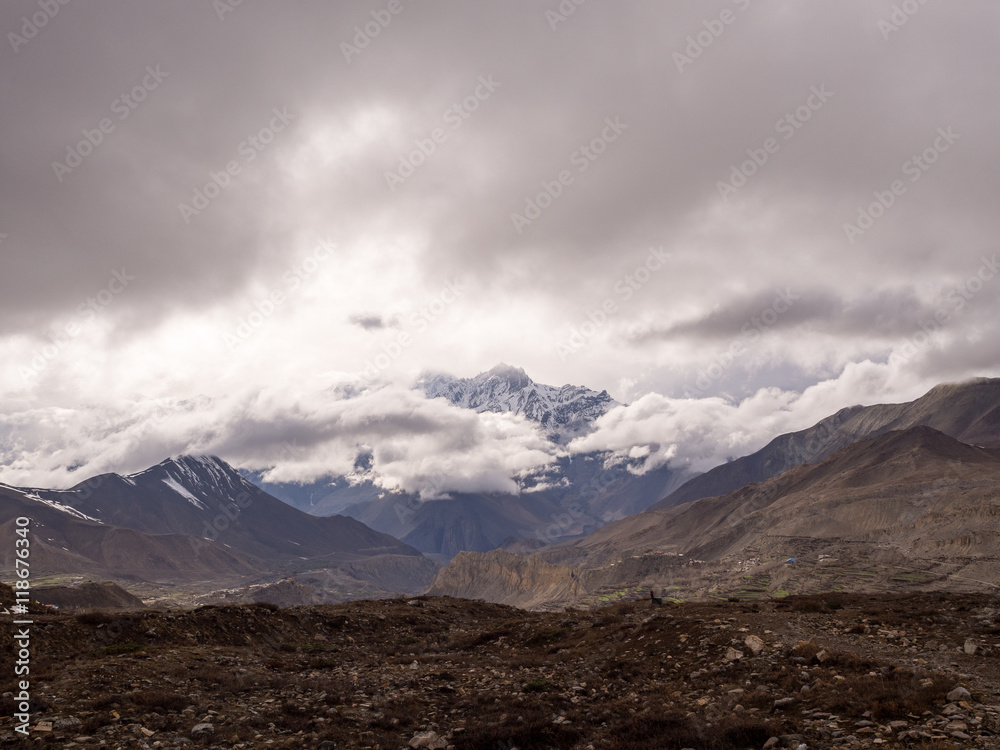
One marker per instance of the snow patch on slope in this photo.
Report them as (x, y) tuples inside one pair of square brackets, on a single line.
[(60, 506), (183, 492)]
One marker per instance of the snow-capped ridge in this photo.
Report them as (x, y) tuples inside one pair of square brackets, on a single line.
[(565, 411), (194, 477)]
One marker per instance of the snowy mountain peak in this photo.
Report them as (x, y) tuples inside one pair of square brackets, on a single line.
[(565, 411), (515, 376), (195, 477)]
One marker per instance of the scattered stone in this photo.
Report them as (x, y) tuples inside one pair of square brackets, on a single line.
[(429, 740), (755, 644), (959, 694), (203, 729), (732, 654)]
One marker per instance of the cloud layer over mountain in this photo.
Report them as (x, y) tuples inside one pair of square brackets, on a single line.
[(712, 210)]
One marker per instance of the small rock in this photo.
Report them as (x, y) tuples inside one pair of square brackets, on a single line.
[(199, 730), (755, 644), (429, 740), (785, 702), (959, 694), (733, 655)]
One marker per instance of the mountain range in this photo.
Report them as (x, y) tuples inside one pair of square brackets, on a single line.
[(192, 518), (576, 495), (565, 412), (873, 498), (968, 411), (870, 498)]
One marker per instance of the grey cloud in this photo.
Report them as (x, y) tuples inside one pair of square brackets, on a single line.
[(368, 321), (655, 184)]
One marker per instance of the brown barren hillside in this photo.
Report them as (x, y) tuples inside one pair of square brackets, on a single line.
[(968, 412), (909, 509)]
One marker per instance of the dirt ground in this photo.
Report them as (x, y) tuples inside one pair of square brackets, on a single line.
[(819, 671)]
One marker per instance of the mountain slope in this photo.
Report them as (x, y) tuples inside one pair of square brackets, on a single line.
[(63, 542), (968, 412), (159, 523), (205, 497), (908, 508), (582, 496)]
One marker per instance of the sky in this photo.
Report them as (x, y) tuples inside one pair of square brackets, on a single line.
[(246, 228)]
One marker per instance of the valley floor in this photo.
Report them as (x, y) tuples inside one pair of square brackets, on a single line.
[(826, 671)]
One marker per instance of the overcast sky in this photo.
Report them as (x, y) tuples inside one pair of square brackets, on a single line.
[(219, 224)]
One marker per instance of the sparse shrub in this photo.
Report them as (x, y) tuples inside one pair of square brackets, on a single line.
[(120, 648), (95, 617), (546, 636), (740, 732), (159, 700), (674, 730), (888, 697), (537, 686), (805, 604), (322, 664)]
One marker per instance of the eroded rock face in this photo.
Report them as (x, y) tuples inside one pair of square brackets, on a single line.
[(505, 578)]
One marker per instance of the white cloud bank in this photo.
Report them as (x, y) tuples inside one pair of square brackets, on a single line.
[(407, 441)]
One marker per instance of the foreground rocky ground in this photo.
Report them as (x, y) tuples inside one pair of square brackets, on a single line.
[(821, 671)]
